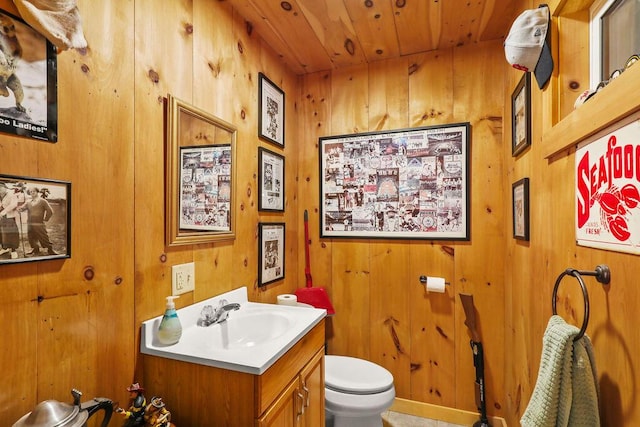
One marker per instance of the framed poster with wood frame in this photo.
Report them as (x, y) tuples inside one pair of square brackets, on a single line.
[(396, 184), (35, 219), (521, 116), (200, 176), (270, 180), (520, 198), (270, 111), (271, 250)]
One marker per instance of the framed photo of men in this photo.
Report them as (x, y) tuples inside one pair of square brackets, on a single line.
[(35, 219)]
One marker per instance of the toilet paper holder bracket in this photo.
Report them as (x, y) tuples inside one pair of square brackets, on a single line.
[(423, 279)]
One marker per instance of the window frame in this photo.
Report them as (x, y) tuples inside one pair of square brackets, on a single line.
[(597, 10)]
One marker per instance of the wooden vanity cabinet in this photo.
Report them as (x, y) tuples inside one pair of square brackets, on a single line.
[(302, 403), (289, 393)]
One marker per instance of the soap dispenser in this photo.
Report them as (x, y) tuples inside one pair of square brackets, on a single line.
[(170, 329)]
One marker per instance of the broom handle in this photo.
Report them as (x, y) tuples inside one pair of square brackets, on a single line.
[(307, 265)]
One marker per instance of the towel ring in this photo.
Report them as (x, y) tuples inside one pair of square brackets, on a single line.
[(602, 274)]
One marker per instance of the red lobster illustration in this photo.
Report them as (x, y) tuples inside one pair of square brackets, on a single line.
[(615, 204)]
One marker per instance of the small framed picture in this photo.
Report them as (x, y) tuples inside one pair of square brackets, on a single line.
[(270, 252), (35, 219), (521, 116), (270, 180), (270, 111), (520, 194)]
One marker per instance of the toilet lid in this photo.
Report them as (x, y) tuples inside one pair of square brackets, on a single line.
[(356, 376)]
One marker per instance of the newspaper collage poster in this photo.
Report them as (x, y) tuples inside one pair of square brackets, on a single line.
[(405, 184)]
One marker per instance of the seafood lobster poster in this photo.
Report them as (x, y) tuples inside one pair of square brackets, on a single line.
[(607, 195)]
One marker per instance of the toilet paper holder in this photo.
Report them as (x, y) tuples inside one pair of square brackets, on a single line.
[(423, 280)]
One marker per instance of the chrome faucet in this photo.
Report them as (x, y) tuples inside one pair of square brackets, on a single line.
[(210, 316)]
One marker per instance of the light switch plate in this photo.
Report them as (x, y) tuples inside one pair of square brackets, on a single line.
[(183, 278)]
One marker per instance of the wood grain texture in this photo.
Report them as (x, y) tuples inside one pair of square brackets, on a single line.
[(60, 342), (382, 312), (111, 147), (200, 393), (312, 36)]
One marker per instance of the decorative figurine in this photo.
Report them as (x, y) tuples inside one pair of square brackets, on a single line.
[(134, 417), (156, 414)]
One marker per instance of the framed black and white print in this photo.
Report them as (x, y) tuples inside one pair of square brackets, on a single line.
[(270, 111), (270, 180), (35, 219), (521, 116), (270, 252), (397, 184), (520, 197)]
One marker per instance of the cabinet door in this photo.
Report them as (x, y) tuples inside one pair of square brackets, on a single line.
[(286, 410), (312, 389)]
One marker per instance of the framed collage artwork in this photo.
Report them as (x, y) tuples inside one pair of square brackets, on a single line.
[(398, 184)]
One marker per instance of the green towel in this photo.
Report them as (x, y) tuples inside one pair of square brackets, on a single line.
[(566, 391)]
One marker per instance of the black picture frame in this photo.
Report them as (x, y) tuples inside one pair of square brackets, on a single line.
[(520, 203), (30, 107), (271, 111), (271, 252), (35, 223), (271, 180), (521, 116), (396, 184)]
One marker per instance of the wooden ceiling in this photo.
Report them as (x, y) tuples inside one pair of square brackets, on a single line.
[(315, 35)]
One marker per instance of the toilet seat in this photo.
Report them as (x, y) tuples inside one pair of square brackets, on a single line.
[(355, 376)]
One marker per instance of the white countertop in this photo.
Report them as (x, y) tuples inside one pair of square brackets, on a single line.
[(204, 345)]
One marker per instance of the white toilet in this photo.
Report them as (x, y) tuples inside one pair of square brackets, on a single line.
[(357, 392)]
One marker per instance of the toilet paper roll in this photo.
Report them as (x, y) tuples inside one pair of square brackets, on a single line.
[(287, 299), (435, 284)]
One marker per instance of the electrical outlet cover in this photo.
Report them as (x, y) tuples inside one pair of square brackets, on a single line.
[(183, 278)]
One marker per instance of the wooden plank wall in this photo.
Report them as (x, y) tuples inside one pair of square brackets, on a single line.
[(533, 267), (382, 312), (84, 332), (62, 329)]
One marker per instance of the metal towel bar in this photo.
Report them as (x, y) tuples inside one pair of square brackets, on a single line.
[(602, 275)]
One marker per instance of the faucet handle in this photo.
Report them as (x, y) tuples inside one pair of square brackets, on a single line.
[(207, 315)]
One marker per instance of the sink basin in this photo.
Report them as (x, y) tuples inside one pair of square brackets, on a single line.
[(250, 340), (247, 327)]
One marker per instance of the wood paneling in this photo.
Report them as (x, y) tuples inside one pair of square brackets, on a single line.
[(382, 311), (313, 36), (533, 267), (72, 337), (111, 122), (430, 79)]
